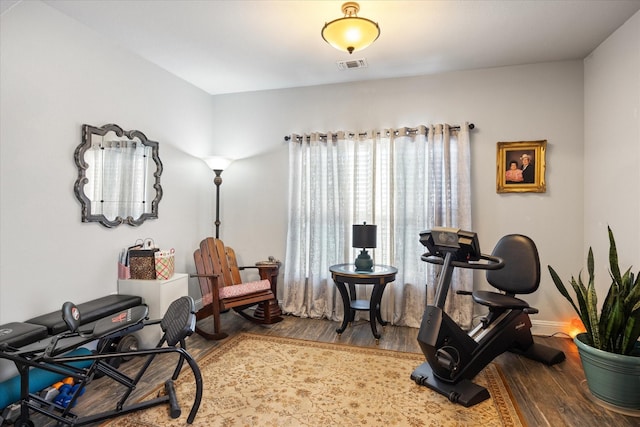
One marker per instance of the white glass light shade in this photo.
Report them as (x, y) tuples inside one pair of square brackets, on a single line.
[(350, 33), (217, 163)]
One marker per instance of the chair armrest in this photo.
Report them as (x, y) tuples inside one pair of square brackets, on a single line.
[(262, 265), (212, 280), (204, 275)]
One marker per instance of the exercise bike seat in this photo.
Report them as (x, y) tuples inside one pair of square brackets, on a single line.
[(520, 274), (497, 300)]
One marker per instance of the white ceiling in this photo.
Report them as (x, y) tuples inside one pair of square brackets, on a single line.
[(237, 46)]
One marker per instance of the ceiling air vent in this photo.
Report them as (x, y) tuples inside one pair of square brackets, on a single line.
[(352, 63)]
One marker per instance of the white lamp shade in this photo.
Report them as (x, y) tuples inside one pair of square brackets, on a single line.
[(217, 163)]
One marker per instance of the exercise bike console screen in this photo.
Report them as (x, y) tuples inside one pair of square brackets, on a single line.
[(463, 245)]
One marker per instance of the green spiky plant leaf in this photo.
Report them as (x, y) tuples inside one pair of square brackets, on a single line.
[(616, 328)]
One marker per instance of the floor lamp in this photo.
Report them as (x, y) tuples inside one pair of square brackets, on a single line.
[(217, 164)]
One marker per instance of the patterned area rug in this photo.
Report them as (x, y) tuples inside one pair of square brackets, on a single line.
[(257, 380)]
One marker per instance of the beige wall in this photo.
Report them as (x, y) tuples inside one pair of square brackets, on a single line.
[(524, 103), (55, 75), (612, 151)]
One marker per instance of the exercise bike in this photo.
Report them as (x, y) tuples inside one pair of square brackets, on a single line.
[(455, 357)]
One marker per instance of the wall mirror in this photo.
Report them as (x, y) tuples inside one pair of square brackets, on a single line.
[(118, 176)]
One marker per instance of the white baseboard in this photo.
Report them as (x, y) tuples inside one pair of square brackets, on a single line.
[(547, 328), (538, 327)]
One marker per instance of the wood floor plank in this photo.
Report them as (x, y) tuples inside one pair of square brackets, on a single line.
[(547, 396)]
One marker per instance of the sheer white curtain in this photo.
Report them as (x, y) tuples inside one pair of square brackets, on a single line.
[(402, 180)]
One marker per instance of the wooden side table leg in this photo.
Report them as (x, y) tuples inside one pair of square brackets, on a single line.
[(374, 311), (378, 303), (270, 273), (346, 303)]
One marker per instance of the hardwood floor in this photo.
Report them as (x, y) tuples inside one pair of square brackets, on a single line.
[(547, 396)]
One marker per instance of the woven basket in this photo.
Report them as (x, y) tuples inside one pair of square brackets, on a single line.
[(165, 264), (142, 264)]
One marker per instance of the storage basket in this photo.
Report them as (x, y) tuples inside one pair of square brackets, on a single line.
[(142, 264), (164, 264)]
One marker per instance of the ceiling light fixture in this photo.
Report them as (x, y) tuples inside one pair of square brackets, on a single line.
[(350, 33)]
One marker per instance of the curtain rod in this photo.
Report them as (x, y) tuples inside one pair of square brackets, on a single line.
[(410, 130)]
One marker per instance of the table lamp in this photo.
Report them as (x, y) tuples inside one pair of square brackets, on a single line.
[(364, 236)]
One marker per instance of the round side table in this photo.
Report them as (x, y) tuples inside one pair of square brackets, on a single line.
[(379, 276)]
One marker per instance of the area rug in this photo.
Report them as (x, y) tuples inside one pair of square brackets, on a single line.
[(257, 380)]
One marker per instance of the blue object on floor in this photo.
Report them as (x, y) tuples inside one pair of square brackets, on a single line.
[(39, 379)]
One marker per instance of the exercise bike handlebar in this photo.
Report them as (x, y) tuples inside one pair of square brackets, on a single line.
[(492, 262), (448, 262)]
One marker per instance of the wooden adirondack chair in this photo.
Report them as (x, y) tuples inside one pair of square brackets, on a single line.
[(222, 287)]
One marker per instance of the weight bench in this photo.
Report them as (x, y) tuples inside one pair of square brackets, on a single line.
[(91, 312), (20, 334), (25, 345)]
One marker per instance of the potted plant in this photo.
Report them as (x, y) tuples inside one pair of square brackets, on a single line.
[(608, 349)]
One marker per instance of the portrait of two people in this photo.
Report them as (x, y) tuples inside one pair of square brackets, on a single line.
[(522, 172)]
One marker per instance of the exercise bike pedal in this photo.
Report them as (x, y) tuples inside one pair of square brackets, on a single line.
[(446, 360)]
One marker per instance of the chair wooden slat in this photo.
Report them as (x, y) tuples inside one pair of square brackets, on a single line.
[(233, 265)]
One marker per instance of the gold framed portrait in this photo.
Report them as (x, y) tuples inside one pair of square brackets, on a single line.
[(521, 166)]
